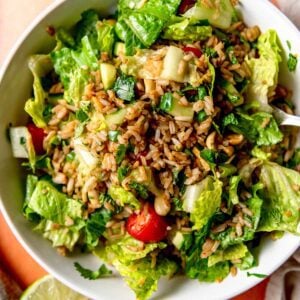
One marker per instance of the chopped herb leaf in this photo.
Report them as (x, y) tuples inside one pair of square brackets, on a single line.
[(201, 116), (179, 179), (22, 140), (122, 172), (166, 102), (177, 204), (211, 52), (140, 189), (208, 155), (113, 135), (47, 113), (257, 275), (124, 87), (81, 115), (121, 152), (230, 119), (202, 92), (292, 62), (103, 271), (70, 156), (231, 55)]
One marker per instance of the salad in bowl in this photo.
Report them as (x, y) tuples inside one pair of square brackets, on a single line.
[(151, 142)]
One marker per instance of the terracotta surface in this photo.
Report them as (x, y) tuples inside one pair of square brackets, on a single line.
[(13, 257)]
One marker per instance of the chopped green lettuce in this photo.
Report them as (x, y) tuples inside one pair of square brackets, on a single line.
[(142, 278), (66, 236), (220, 16), (95, 227), (247, 262), (140, 23), (135, 265), (202, 201), (281, 193), (259, 128), (40, 66), (228, 236), (123, 197), (103, 271), (31, 182), (231, 253), (264, 71), (127, 249), (53, 205), (233, 189), (183, 29), (106, 36)]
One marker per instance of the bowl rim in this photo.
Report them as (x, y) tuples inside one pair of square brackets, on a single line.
[(8, 60)]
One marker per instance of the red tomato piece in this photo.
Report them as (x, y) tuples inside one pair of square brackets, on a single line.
[(185, 5), (147, 226), (194, 50), (38, 135)]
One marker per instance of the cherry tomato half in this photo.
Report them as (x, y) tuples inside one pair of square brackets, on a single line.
[(194, 50), (38, 135), (185, 5), (147, 226)]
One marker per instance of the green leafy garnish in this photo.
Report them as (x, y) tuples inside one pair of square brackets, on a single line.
[(122, 172), (292, 62), (103, 271), (124, 87), (121, 152), (140, 189), (257, 275), (113, 135)]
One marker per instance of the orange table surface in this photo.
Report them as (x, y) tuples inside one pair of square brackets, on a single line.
[(13, 258)]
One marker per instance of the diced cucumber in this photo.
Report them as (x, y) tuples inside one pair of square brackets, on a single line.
[(220, 17), (119, 48), (19, 138), (178, 240), (116, 118), (232, 93), (172, 106), (171, 64), (108, 75), (193, 193), (87, 161)]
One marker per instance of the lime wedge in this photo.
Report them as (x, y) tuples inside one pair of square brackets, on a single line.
[(48, 288)]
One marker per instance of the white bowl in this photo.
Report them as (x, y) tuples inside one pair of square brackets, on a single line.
[(15, 88)]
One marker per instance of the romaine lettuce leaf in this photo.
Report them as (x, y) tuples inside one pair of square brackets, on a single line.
[(126, 249), (220, 16), (233, 189), (259, 128), (231, 253), (95, 226), (247, 262), (123, 197), (53, 205), (66, 236), (202, 201), (145, 20), (40, 65), (31, 182), (130, 257), (106, 36), (142, 277), (264, 71), (228, 237), (183, 29), (281, 193)]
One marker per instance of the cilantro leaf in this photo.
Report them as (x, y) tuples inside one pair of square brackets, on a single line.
[(124, 87), (81, 116), (121, 152), (122, 172), (140, 189), (292, 62), (257, 275), (103, 271)]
